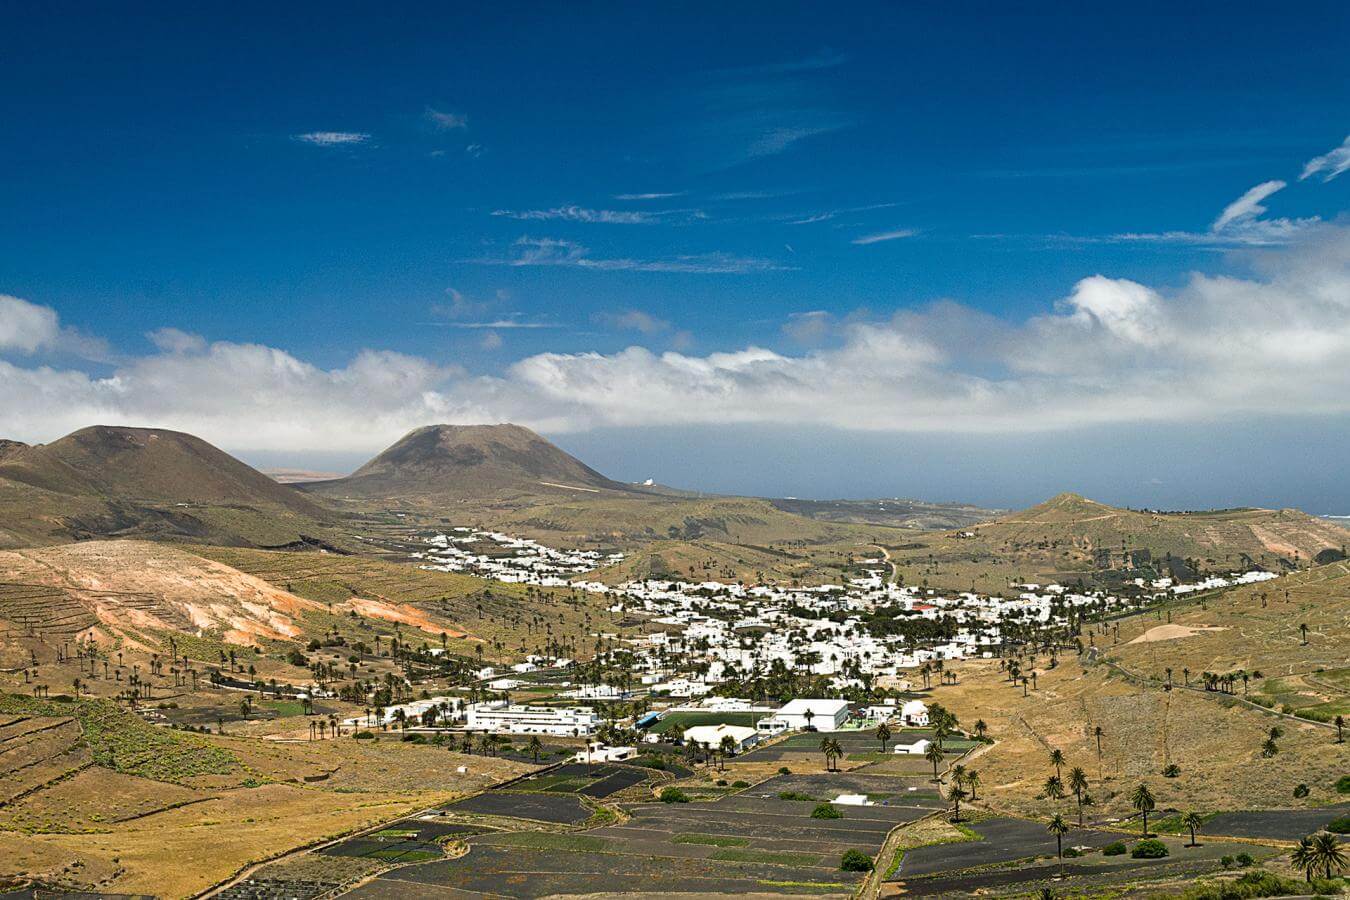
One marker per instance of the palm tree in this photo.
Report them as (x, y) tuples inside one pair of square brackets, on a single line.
[(980, 728), (1305, 857), (837, 749), (1142, 800), (827, 747), (1303, 627), (934, 755), (727, 748), (973, 782), (1054, 788), (1058, 827), (1078, 783), (534, 747), (1340, 729), (956, 794), (1192, 821), (883, 735), (1057, 759), (1097, 733), (1327, 853)]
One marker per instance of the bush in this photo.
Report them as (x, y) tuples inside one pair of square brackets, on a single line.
[(1343, 784), (826, 811), (855, 861), (1254, 884), (784, 770), (1301, 791), (1171, 770), (1114, 849), (1339, 826), (1245, 860), (673, 795), (721, 782), (794, 795), (1149, 848), (1073, 852), (1226, 862), (740, 784), (364, 736)]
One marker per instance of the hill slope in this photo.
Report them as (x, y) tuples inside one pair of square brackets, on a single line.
[(118, 481), (455, 461), (1070, 536)]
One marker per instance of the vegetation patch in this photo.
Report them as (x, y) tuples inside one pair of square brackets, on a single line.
[(126, 743)]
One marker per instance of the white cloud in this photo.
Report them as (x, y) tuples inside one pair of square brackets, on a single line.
[(649, 196), (333, 138), (171, 340), (1329, 165), (490, 340), (1248, 206), (446, 121), (894, 235), (529, 251), (25, 326), (581, 214), (1218, 348), (633, 320)]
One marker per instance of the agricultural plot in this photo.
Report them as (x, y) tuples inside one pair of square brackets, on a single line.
[(860, 747), (1018, 862), (999, 841), (555, 808), (680, 720), (1279, 824), (751, 842)]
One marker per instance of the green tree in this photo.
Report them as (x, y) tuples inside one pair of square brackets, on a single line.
[(1192, 822), (1057, 759), (934, 755), (534, 747), (973, 782), (1058, 827), (1142, 800), (1054, 788), (956, 794), (1078, 783), (1327, 852), (883, 735), (1304, 858)]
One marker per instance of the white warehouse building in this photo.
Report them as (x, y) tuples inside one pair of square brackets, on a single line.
[(564, 721), (822, 715)]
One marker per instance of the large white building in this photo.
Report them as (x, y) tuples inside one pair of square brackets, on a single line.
[(564, 721), (822, 715), (710, 737)]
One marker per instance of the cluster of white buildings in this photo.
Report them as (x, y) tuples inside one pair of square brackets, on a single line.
[(512, 559)]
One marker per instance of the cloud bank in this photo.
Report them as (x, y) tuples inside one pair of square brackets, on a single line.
[(1220, 347)]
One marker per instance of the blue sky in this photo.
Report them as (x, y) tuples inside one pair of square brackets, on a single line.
[(389, 217)]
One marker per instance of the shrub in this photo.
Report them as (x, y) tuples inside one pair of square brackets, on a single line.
[(1149, 848), (1171, 770), (673, 795), (1226, 862), (1343, 784), (721, 782), (740, 784), (1301, 791), (794, 795), (855, 861), (364, 736), (1245, 860), (1339, 826), (1114, 849), (1073, 852), (826, 811), (784, 770)]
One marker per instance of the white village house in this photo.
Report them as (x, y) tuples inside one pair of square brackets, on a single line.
[(795, 715)]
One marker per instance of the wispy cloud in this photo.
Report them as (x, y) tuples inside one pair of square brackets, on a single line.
[(1241, 223), (445, 121), (824, 58), (777, 140), (1329, 165), (632, 320), (581, 214), (528, 251), (829, 214), (650, 196), (504, 324), (333, 138), (881, 236)]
